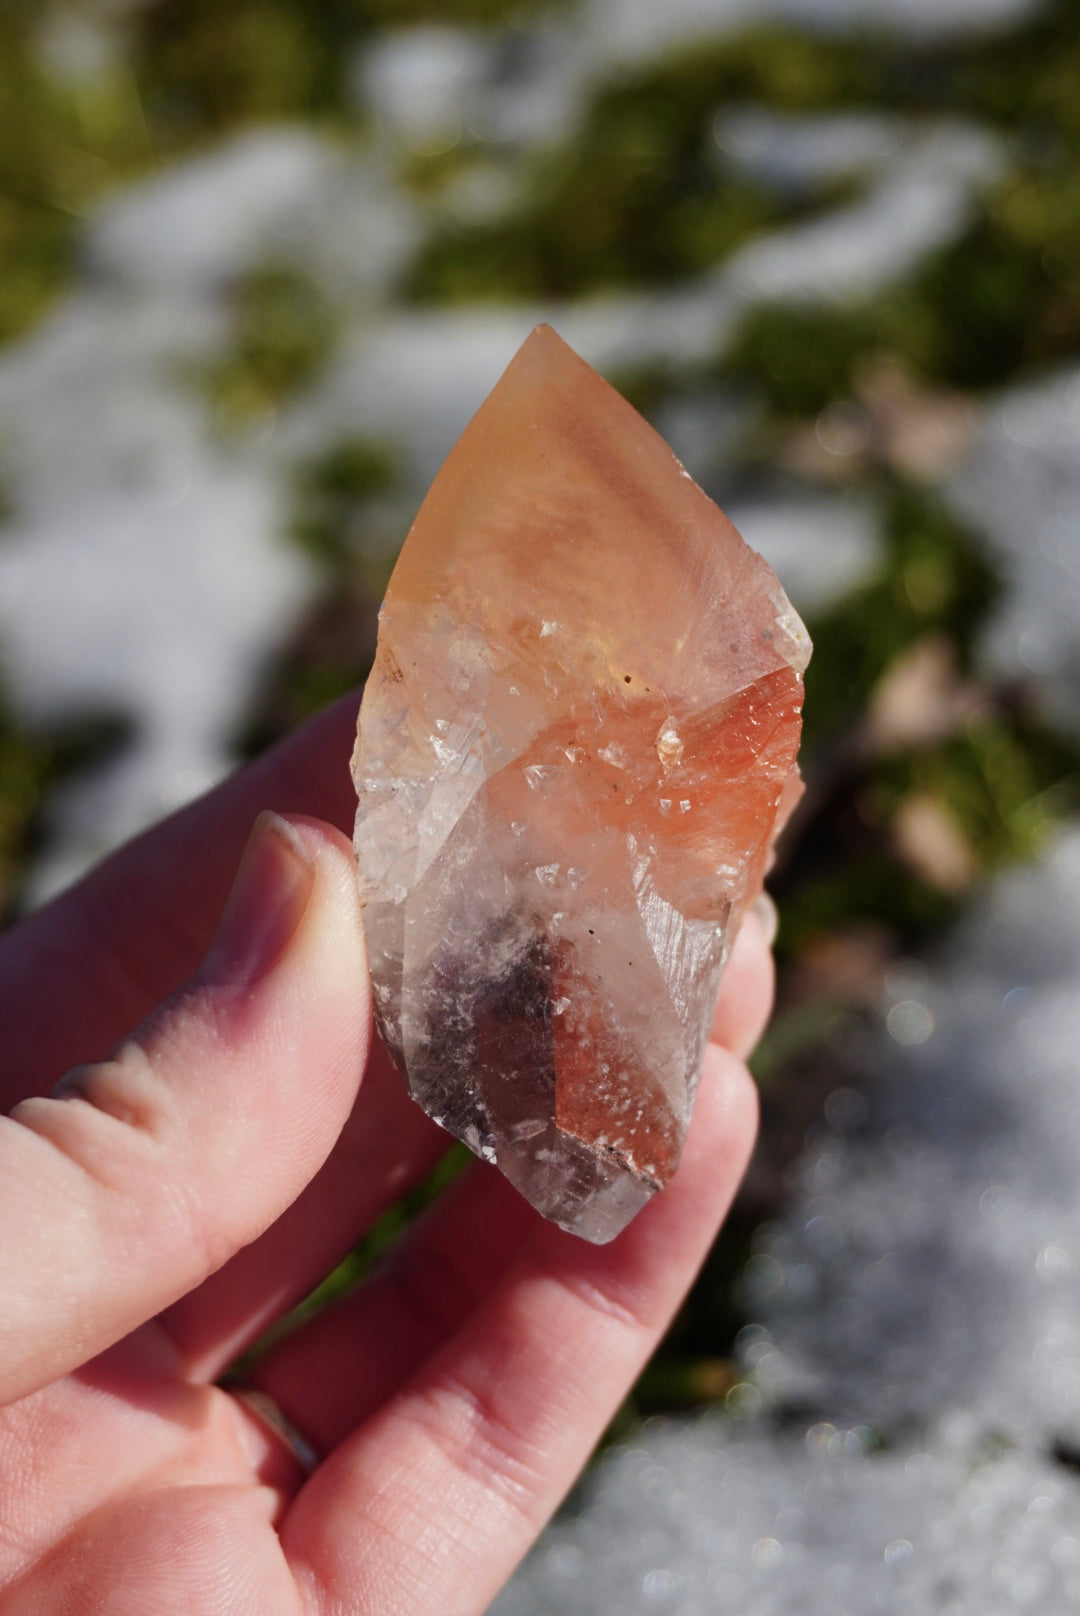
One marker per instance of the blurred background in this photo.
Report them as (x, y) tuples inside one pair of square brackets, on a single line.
[(258, 265)]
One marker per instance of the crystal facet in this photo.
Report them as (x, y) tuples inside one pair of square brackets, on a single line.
[(574, 752)]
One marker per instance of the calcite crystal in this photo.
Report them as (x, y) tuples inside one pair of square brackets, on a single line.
[(574, 752)]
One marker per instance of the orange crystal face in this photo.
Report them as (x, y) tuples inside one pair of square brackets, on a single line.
[(575, 751)]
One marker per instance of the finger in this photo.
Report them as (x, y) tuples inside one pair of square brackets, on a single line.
[(386, 1148), (338, 1369), (148, 1170), (746, 988), (453, 1478), (344, 1364), (79, 973)]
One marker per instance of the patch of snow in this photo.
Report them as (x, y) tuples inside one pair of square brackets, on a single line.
[(799, 153), (920, 201), (430, 87), (1022, 490), (203, 221), (709, 1518), (703, 429), (627, 30), (930, 1264), (921, 1290), (421, 82), (143, 573), (364, 231), (822, 547)]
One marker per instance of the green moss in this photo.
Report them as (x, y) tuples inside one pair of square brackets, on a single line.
[(428, 174), (480, 13), (330, 655), (191, 71), (594, 229), (1023, 79), (798, 360), (934, 578), (33, 763), (1004, 300), (778, 67), (874, 888), (283, 333), (1007, 780), (24, 772), (791, 1033), (330, 495), (332, 650), (1001, 302), (60, 148), (204, 68)]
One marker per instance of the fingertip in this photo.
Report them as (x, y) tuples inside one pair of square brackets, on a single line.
[(726, 1113), (321, 837), (333, 925), (270, 896), (748, 985)]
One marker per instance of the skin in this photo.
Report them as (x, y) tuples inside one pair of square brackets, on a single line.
[(219, 1127)]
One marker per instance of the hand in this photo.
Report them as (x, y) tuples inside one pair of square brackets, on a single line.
[(173, 1199)]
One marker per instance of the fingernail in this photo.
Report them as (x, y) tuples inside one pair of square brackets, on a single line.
[(768, 915), (269, 898)]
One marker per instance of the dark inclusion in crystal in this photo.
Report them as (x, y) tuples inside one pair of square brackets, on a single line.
[(503, 1061)]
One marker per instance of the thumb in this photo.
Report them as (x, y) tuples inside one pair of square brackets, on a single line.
[(143, 1173)]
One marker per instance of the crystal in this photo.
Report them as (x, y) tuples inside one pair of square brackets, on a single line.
[(576, 746)]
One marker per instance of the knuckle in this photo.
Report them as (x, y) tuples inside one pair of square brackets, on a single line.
[(628, 1306), (104, 1117), (114, 1121), (121, 1087), (486, 1447)]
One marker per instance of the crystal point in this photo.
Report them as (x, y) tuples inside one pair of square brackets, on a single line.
[(575, 749)]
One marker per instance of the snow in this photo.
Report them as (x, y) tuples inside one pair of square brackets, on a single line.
[(1022, 489), (798, 153), (627, 30), (707, 1517), (144, 573), (914, 1364), (206, 220), (920, 201), (821, 547)]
